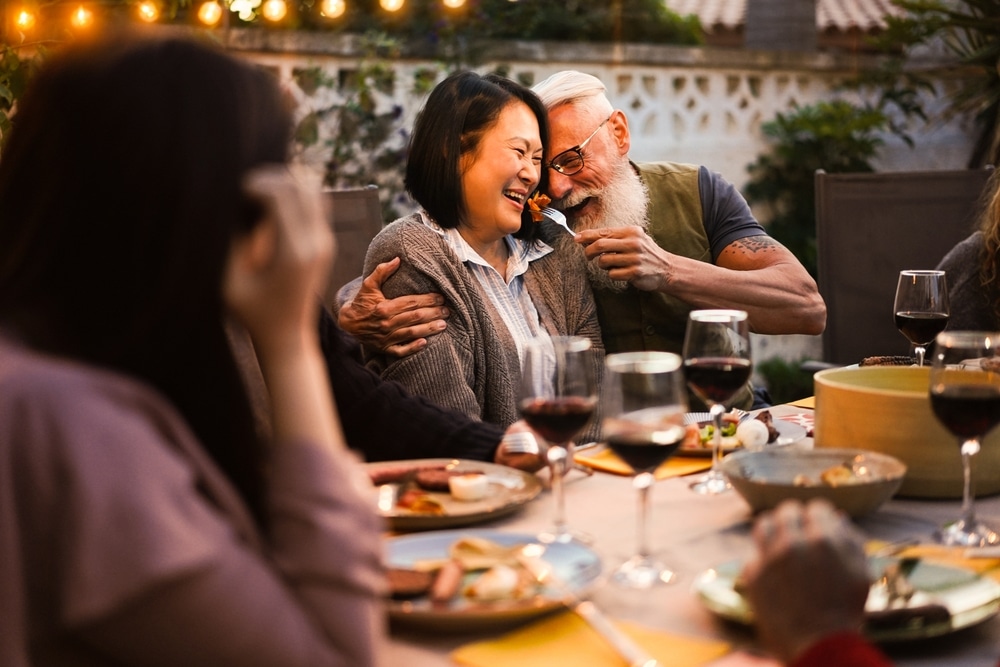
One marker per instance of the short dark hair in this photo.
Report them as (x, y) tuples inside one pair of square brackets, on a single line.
[(458, 112), (121, 192)]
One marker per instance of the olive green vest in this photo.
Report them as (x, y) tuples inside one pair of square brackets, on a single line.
[(638, 320)]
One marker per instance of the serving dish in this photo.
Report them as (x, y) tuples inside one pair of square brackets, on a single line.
[(509, 490), (966, 598), (887, 409), (765, 478), (576, 565)]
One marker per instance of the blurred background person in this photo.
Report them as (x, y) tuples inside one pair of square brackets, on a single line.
[(144, 201)]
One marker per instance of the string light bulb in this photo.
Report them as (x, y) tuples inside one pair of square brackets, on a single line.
[(25, 19), (391, 5), (210, 12), (274, 10), (148, 11), (333, 8), (82, 17), (453, 4)]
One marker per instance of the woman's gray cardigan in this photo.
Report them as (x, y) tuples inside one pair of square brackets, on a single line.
[(473, 366)]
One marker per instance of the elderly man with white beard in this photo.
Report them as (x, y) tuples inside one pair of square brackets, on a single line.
[(660, 239)]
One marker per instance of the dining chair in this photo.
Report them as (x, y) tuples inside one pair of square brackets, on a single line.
[(355, 217), (869, 227)]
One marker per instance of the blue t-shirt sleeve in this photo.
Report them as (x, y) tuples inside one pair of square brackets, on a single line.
[(727, 215)]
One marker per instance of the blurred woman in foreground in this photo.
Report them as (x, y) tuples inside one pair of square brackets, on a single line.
[(143, 201)]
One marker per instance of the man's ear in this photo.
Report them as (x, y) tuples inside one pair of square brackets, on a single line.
[(620, 131)]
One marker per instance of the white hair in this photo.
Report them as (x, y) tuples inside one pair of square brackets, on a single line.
[(573, 87)]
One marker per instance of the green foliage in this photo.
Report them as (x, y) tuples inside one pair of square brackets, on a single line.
[(969, 30), (369, 141), (835, 136), (16, 68), (785, 380)]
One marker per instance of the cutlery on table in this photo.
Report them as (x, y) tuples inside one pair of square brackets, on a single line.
[(530, 557)]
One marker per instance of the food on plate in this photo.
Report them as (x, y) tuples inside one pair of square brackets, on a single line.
[(888, 360), (536, 203), (398, 474), (765, 417), (752, 433), (839, 475), (417, 500), (447, 581), (469, 486), (405, 583), (438, 479), (502, 582)]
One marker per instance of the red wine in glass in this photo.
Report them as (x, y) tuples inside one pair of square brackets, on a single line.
[(965, 398), (717, 379), (921, 328), (968, 411), (558, 419), (921, 308), (645, 451)]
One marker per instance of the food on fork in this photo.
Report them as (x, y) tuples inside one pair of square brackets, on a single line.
[(536, 203)]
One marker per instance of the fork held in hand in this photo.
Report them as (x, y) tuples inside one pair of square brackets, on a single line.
[(557, 217)]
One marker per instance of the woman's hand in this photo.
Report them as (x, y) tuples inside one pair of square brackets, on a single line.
[(272, 284), (276, 272)]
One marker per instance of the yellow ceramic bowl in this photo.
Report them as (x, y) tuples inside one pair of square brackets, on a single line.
[(765, 478), (886, 409)]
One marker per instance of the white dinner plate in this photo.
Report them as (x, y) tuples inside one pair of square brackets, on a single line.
[(969, 597), (788, 433), (574, 563), (510, 489)]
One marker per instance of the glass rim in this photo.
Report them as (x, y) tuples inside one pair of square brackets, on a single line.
[(921, 272), (571, 343), (643, 362)]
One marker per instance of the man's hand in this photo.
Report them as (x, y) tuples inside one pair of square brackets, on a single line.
[(628, 254), (809, 578), (395, 326)]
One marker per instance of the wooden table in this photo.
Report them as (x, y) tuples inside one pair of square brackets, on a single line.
[(692, 533)]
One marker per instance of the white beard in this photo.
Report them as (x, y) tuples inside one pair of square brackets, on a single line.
[(621, 203)]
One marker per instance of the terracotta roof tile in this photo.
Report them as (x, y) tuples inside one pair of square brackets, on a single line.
[(830, 14)]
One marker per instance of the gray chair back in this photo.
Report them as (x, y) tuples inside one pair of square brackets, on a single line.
[(869, 227)]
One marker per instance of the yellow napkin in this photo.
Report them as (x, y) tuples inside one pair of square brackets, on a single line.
[(606, 461), (809, 402), (565, 639)]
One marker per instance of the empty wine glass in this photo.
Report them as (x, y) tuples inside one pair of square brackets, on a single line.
[(716, 365), (643, 401), (921, 308), (965, 397), (558, 398)]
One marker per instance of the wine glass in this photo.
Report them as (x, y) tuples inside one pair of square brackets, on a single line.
[(965, 397), (716, 366), (921, 308), (643, 404), (558, 398)]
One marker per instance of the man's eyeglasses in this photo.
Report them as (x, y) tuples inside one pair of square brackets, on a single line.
[(570, 161)]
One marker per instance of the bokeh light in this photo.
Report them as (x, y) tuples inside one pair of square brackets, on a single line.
[(210, 12), (391, 5), (24, 19), (454, 4), (82, 17), (333, 8), (148, 11), (274, 10)]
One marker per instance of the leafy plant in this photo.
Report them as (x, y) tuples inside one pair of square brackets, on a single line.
[(785, 380), (835, 136), (969, 31), (16, 68)]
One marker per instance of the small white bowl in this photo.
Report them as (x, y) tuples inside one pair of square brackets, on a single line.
[(765, 478)]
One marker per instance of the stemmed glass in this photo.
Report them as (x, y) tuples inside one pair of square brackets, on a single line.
[(558, 398), (643, 404), (716, 365), (921, 308), (965, 397)]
